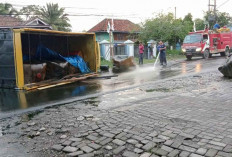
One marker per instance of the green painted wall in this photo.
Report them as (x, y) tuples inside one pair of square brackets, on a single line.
[(102, 36)]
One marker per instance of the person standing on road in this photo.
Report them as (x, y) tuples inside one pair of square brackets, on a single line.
[(162, 50), (141, 51)]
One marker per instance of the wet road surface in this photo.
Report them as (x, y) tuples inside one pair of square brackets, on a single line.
[(11, 100)]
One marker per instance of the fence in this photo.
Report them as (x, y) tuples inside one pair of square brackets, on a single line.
[(122, 49), (136, 51)]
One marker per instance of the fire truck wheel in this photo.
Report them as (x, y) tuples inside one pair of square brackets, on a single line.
[(222, 54), (206, 54), (210, 55), (189, 58)]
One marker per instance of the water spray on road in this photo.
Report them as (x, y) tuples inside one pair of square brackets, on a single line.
[(156, 60)]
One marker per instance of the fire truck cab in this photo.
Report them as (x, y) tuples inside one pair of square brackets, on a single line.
[(207, 42)]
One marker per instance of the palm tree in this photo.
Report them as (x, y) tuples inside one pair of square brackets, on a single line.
[(30, 11), (8, 9), (55, 16)]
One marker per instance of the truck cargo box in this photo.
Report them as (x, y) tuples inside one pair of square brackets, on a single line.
[(39, 59)]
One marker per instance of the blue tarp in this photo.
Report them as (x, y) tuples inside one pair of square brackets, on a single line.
[(78, 62), (46, 54)]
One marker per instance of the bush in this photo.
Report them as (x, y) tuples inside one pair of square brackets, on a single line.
[(174, 52)]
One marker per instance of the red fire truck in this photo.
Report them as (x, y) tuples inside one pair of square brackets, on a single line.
[(207, 42)]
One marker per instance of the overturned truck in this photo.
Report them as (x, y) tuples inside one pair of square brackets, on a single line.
[(39, 59)]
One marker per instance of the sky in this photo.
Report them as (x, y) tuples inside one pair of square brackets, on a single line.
[(84, 14)]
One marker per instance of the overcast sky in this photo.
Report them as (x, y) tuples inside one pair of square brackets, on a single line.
[(84, 14)]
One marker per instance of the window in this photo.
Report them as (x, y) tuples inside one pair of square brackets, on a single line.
[(120, 36)]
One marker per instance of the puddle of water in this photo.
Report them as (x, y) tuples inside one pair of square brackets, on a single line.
[(183, 68), (139, 76), (198, 68), (13, 100)]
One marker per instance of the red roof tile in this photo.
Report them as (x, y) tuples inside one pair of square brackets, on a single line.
[(9, 21), (119, 26)]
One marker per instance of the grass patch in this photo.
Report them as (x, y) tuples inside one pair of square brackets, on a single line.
[(170, 55), (105, 62), (174, 54), (145, 61)]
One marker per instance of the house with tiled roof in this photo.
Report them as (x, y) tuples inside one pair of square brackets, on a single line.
[(123, 30), (7, 21)]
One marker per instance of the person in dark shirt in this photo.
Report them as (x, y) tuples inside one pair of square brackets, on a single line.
[(162, 49)]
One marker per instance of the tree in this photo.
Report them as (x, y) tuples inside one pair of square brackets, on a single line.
[(166, 28), (30, 11), (188, 18), (222, 18), (199, 23), (55, 16), (8, 9)]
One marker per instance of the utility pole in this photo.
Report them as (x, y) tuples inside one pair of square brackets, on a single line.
[(212, 7), (212, 11), (110, 29), (175, 12), (111, 44)]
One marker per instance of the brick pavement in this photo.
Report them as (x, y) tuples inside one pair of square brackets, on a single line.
[(188, 116)]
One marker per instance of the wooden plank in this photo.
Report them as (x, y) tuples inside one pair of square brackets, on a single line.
[(50, 84), (59, 84)]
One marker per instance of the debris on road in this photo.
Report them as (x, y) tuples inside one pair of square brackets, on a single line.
[(104, 68), (122, 63), (226, 69)]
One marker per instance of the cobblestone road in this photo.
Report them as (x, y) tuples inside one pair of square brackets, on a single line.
[(189, 116)]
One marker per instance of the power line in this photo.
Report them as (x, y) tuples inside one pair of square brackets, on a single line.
[(84, 15), (130, 15), (67, 7), (223, 4)]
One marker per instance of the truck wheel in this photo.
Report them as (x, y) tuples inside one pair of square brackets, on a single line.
[(206, 54), (189, 58), (210, 55), (222, 54)]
